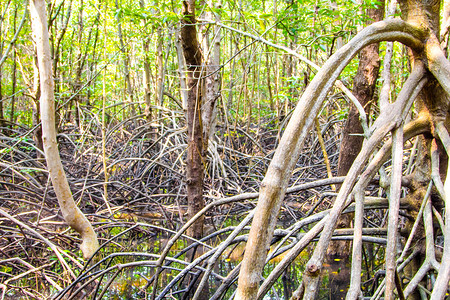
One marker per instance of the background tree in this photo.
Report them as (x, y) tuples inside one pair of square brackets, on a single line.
[(364, 84), (72, 214)]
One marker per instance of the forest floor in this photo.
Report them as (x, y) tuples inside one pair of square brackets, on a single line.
[(144, 203)]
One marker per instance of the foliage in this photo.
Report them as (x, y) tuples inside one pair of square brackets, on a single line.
[(142, 186)]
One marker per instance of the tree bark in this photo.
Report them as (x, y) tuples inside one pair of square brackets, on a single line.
[(13, 88), (432, 101), (338, 253), (71, 213), (194, 166)]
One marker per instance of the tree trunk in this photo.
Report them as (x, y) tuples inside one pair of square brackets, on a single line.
[(147, 93), (159, 89), (71, 213), (35, 95), (126, 64), (13, 88), (2, 118), (194, 166), (79, 68), (364, 84), (181, 70), (4, 55), (432, 100), (212, 80), (57, 38), (14, 78)]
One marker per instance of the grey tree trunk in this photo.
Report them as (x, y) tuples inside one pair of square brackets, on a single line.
[(71, 213)]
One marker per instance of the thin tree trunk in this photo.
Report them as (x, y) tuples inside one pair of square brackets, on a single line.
[(92, 63), (2, 118), (126, 64), (269, 84), (3, 56), (276, 68), (56, 40), (147, 92), (212, 81), (181, 70), (338, 253), (80, 63), (35, 102), (13, 89), (71, 213), (194, 166), (59, 37), (2, 17), (104, 100), (14, 78), (159, 68)]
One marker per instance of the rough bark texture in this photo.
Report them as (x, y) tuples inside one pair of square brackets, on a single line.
[(419, 182), (363, 89), (364, 84), (71, 213), (433, 101), (194, 167)]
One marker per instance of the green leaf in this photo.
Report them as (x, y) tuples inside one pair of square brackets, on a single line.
[(266, 16)]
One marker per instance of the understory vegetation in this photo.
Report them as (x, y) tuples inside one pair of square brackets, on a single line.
[(146, 200)]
